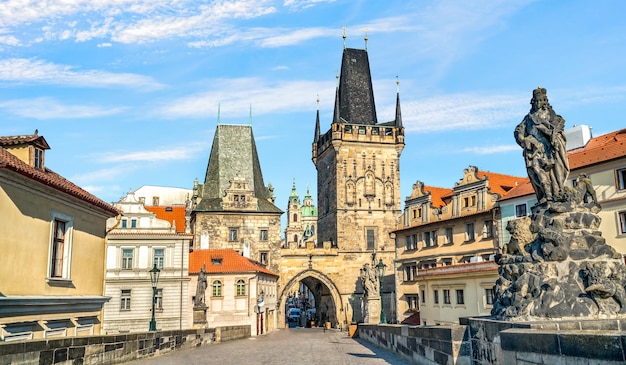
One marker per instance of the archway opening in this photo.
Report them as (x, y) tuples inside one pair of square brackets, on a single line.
[(311, 300)]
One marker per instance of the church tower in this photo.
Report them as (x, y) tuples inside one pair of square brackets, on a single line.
[(293, 232), (358, 176)]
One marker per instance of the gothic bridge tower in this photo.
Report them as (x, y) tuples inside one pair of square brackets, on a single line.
[(358, 190)]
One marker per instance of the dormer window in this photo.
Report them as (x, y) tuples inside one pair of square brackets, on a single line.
[(216, 261), (38, 158)]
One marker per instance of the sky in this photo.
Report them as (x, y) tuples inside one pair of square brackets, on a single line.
[(127, 92)]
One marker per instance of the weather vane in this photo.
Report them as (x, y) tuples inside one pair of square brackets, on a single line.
[(344, 37), (366, 39)]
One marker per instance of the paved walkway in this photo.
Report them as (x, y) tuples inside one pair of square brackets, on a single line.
[(300, 346)]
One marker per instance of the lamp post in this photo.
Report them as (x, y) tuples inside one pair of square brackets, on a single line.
[(381, 274), (154, 279)]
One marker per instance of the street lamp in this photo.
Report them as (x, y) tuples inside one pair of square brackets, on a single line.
[(381, 274), (154, 279)]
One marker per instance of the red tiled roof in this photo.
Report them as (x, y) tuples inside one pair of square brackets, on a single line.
[(522, 189), (176, 214), (231, 262), (437, 194), (599, 149), (500, 183), (50, 178), (28, 139), (414, 319)]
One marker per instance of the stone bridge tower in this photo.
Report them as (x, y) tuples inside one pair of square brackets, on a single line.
[(358, 190)]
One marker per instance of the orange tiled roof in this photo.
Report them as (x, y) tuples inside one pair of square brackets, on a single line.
[(50, 178), (232, 262), (437, 195), (599, 149), (500, 183), (26, 139), (176, 214), (522, 189)]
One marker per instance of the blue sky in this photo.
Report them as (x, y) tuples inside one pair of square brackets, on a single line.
[(126, 92)]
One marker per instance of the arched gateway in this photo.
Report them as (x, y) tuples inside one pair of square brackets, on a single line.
[(326, 300)]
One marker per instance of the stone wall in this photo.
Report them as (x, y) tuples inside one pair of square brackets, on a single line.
[(575, 341), (422, 344), (113, 349), (483, 341)]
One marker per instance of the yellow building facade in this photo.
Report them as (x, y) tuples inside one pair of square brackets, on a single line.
[(53, 247), (445, 246)]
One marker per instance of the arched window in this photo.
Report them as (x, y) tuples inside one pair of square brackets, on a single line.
[(241, 287), (295, 217), (217, 288), (295, 238)]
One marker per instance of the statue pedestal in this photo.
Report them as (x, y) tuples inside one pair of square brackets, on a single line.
[(372, 310), (199, 317)]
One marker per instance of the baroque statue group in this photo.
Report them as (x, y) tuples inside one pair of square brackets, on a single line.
[(556, 264)]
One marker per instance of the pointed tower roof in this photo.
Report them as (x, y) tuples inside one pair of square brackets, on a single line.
[(398, 113), (294, 198), (355, 94), (316, 138), (233, 157)]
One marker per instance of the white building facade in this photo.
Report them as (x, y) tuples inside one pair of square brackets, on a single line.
[(137, 242)]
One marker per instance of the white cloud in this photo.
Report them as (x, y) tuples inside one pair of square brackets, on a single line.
[(24, 70), (166, 154), (490, 150), (236, 95), (461, 112), (47, 108), (105, 44), (303, 4)]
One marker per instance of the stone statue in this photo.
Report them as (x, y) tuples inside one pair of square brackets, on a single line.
[(201, 288), (556, 264), (542, 138), (370, 281)]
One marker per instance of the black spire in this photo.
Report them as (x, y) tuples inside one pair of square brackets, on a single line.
[(398, 113), (316, 138), (355, 94)]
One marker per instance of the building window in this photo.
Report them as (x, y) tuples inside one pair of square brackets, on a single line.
[(469, 201), (263, 235), (446, 296), (127, 259), (217, 288), (448, 236), (411, 242), (38, 162), (410, 272), (411, 301), (155, 200), (430, 238), (621, 179), (436, 296), (125, 300), (263, 258), (159, 257), (622, 222), (158, 299), (446, 261), (232, 236), (133, 223), (423, 296), (370, 238), (469, 232), (60, 246), (124, 223), (489, 296), (241, 287), (460, 298), (295, 217), (488, 229), (520, 210)]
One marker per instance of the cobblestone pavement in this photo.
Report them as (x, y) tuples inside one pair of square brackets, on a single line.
[(300, 346)]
